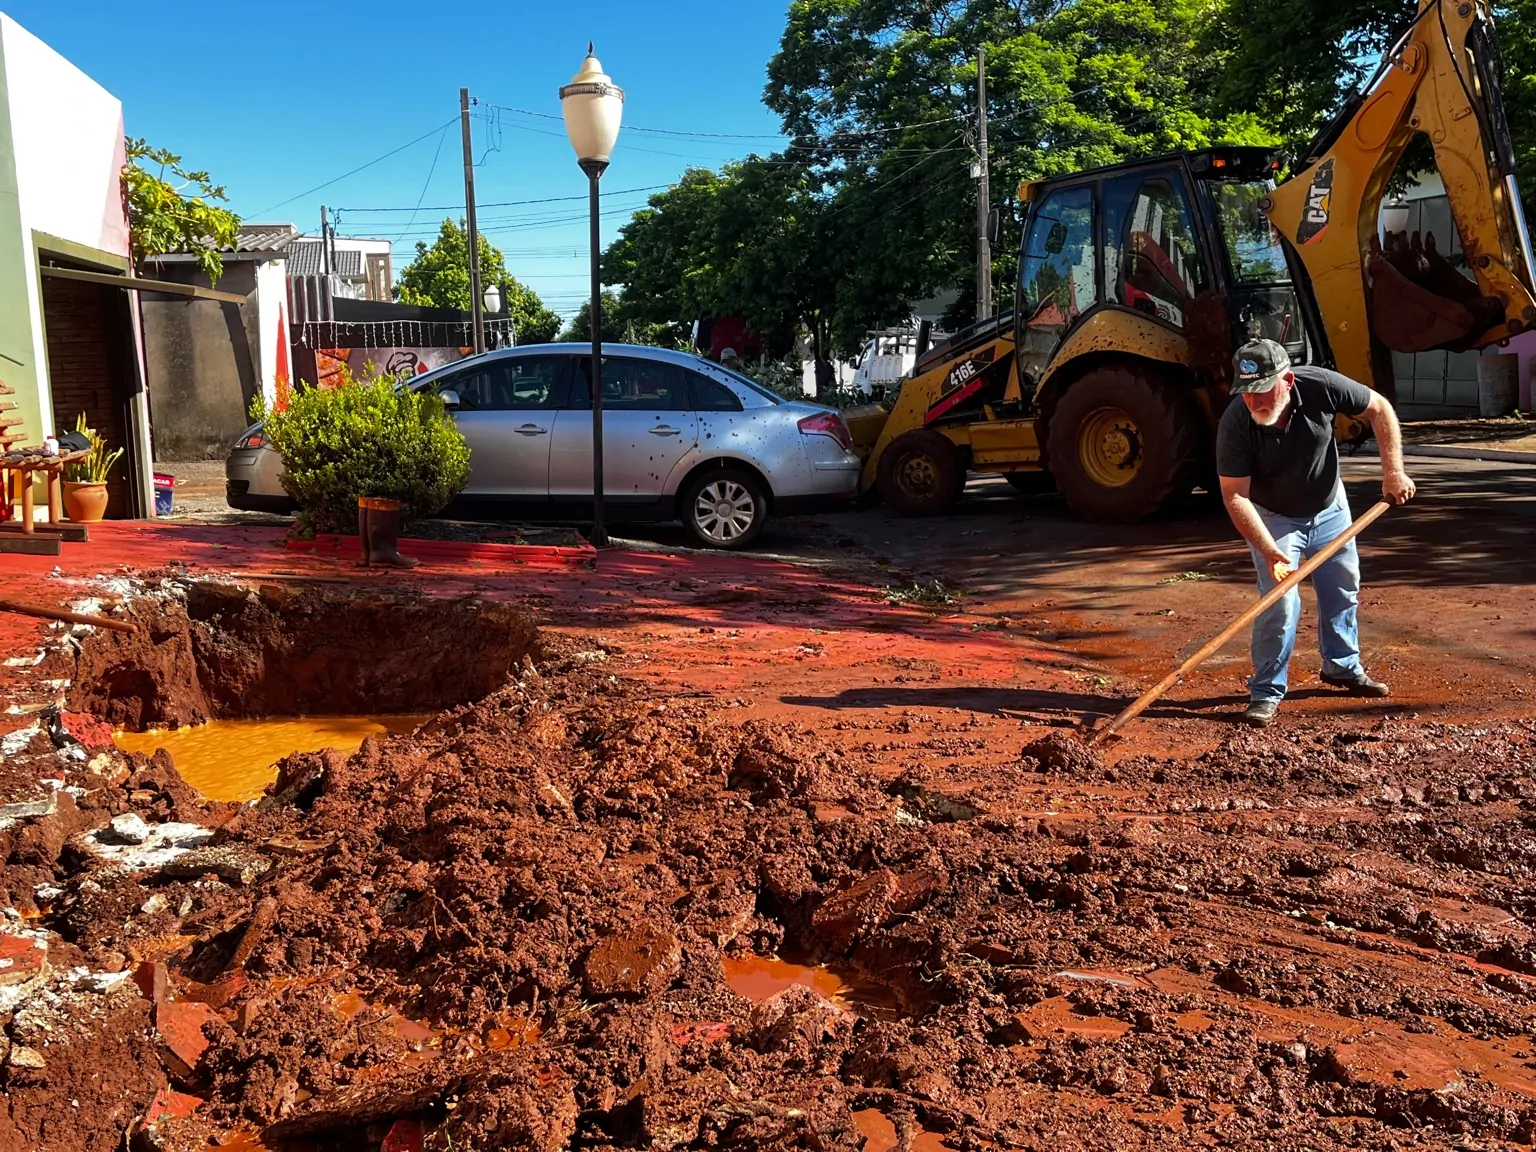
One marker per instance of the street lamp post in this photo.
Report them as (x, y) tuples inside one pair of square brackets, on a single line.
[(593, 106)]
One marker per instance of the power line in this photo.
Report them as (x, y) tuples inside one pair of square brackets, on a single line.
[(359, 168), (512, 203), (427, 183), (796, 138)]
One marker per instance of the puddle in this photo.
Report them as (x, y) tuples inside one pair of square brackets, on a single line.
[(759, 977), (880, 1134), (236, 759)]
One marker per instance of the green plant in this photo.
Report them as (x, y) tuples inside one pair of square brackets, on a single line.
[(161, 219), (365, 437), (95, 468)]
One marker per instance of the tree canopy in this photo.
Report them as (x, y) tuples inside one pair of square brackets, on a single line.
[(162, 218), (438, 277)]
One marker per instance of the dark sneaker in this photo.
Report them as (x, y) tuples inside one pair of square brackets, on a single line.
[(1357, 685), (1261, 713)]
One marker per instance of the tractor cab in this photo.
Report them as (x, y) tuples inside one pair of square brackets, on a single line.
[(1180, 241)]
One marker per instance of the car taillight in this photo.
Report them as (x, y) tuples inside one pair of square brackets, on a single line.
[(827, 424), (251, 440)]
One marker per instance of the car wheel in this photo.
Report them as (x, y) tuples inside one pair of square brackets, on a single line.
[(920, 474), (724, 509)]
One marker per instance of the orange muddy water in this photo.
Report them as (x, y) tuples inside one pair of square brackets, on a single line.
[(237, 759)]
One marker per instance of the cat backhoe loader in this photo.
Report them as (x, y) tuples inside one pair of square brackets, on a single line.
[(1138, 281)]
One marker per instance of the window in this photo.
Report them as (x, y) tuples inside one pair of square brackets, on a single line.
[(505, 384), (1056, 275), (1253, 246), (632, 385), (746, 382), (711, 396), (1151, 260)]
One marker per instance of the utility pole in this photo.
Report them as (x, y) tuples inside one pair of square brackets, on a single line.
[(325, 245), (474, 232), (983, 194)]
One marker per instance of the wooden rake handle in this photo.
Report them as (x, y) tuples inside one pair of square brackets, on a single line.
[(43, 613), (1262, 604)]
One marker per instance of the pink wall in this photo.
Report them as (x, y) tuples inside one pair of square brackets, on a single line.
[(1524, 346)]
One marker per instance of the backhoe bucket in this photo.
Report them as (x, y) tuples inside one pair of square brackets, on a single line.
[(1420, 303)]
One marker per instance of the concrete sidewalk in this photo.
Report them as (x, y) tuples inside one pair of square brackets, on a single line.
[(1507, 439)]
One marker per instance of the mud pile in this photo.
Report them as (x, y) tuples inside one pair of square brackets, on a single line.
[(508, 929)]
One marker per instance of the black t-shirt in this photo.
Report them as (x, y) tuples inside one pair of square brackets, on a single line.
[(1295, 470)]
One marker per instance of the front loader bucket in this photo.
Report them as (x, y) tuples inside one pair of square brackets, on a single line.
[(1420, 303)]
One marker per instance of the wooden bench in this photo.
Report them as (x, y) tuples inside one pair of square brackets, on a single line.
[(27, 535)]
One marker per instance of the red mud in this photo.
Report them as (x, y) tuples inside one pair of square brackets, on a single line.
[(1314, 937)]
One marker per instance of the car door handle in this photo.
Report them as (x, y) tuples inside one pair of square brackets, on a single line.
[(531, 430), (666, 430)]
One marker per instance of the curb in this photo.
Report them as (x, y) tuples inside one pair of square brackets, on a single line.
[(1497, 455), (445, 550), (1445, 452)]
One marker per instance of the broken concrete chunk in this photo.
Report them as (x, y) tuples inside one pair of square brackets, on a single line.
[(129, 828), (155, 904), (22, 958), (633, 962), (230, 864), (30, 809), (163, 844), (23, 1057), (101, 982)]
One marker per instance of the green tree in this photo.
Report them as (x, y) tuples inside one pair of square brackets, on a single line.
[(621, 326), (882, 94), (162, 218), (438, 277)]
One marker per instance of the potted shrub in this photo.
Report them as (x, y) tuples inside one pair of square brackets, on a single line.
[(85, 483), (366, 455)]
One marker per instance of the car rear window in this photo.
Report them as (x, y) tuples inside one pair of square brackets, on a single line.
[(711, 396), (745, 381)]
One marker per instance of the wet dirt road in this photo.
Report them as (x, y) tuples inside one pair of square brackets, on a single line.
[(1445, 609), (1319, 936)]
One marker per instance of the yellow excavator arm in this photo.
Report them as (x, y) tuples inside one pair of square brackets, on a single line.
[(1441, 79)]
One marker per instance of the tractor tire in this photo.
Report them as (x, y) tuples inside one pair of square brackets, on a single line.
[(1124, 444), (920, 473), (1031, 483)]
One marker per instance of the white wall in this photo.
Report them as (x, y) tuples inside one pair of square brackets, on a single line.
[(68, 134), (272, 315)]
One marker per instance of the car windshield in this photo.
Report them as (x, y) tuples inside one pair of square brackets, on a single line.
[(1252, 242), (744, 381)]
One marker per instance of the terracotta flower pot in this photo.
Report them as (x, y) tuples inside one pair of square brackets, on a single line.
[(83, 502)]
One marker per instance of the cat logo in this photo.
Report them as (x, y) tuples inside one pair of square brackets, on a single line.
[(1314, 219)]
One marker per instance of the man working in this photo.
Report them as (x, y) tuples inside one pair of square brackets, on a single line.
[(1279, 469)]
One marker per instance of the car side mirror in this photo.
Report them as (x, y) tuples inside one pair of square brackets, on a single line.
[(994, 225), (1056, 239), (449, 397)]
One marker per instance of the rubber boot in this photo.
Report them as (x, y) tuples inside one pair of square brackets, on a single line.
[(362, 528), (384, 535)]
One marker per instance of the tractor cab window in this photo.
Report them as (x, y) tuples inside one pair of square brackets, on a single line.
[(1263, 297), (1152, 262), (1057, 278)]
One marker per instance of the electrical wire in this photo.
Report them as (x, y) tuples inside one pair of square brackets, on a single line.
[(359, 168), (431, 171)]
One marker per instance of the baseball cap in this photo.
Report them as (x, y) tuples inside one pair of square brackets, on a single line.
[(1258, 365)]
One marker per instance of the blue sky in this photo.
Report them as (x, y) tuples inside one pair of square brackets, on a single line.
[(275, 99)]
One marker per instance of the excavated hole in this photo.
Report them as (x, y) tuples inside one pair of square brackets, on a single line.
[(231, 668)]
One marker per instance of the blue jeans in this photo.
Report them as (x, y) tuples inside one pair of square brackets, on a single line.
[(1338, 593)]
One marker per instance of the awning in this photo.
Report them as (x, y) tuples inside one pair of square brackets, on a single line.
[(140, 284)]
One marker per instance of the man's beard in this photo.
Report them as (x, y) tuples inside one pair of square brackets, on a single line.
[(1274, 417)]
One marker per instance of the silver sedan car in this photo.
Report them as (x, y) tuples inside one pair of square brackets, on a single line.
[(683, 439)]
